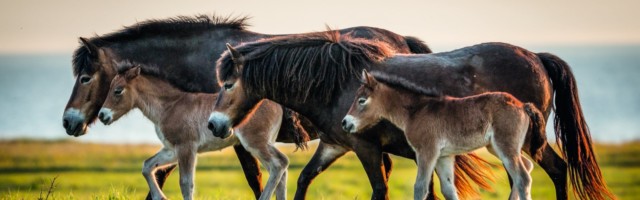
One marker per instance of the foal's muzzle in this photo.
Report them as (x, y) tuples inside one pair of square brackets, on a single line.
[(348, 124), (219, 124), (106, 116)]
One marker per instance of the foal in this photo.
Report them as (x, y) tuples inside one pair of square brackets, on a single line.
[(180, 119), (439, 127)]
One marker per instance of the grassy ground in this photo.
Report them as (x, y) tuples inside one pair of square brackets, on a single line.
[(101, 171)]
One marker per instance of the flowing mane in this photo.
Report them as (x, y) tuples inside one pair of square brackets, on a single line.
[(310, 66), (398, 82), (180, 26)]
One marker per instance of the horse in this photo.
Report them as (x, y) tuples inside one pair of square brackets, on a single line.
[(439, 127), (191, 52), (180, 123), (317, 76)]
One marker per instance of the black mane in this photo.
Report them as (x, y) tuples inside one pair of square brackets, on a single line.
[(180, 26), (309, 66), (398, 82)]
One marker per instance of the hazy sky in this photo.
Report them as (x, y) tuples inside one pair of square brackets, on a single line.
[(54, 26)]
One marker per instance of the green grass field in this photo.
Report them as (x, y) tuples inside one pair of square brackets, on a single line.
[(103, 171)]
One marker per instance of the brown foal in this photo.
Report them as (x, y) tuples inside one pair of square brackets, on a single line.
[(439, 127)]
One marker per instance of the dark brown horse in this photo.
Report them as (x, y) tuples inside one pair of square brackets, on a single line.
[(439, 127), (176, 48), (316, 75)]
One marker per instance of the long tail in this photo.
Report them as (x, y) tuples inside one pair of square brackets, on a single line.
[(538, 139), (572, 132), (299, 130), (471, 166), (416, 45)]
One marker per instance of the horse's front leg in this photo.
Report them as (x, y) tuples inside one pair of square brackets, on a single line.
[(163, 157), (370, 156), (277, 164), (251, 169), (324, 156), (187, 164), (444, 168), (426, 160)]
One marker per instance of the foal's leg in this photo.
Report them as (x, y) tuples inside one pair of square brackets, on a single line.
[(444, 169), (510, 156), (277, 163), (161, 176), (426, 163), (251, 169), (187, 164), (324, 156), (163, 157)]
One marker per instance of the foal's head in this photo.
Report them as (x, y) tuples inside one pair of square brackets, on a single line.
[(382, 96), (367, 109), (121, 97)]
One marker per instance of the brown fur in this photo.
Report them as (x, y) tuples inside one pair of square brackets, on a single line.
[(180, 119), (438, 126)]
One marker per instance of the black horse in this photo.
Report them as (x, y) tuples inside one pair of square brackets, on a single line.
[(316, 75), (183, 50)]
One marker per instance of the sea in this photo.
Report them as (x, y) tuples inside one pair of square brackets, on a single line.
[(34, 89)]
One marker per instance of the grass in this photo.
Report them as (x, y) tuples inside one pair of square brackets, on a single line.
[(106, 171)]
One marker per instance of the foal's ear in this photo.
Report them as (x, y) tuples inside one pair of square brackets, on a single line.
[(368, 80), (132, 73), (93, 49)]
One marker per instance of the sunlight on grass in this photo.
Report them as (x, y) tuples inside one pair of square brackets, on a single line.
[(101, 171)]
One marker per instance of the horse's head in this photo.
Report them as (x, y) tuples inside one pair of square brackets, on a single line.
[(366, 110), (234, 102), (93, 75), (121, 96)]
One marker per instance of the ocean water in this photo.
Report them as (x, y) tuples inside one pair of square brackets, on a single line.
[(34, 90)]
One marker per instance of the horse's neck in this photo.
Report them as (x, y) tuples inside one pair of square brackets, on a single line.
[(156, 97), (200, 51)]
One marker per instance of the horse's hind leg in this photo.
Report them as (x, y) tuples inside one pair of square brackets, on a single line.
[(163, 157), (556, 169), (251, 169), (510, 156), (426, 161), (444, 169)]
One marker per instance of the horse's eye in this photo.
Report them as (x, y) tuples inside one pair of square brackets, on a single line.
[(84, 79), (361, 101), (118, 91), (228, 86)]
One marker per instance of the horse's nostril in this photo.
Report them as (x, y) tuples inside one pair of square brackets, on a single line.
[(65, 123), (344, 122), (101, 115), (210, 126)]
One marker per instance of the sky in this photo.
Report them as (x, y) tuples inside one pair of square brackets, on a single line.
[(29, 26)]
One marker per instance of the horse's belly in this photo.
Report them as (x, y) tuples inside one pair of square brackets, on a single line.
[(466, 143), (212, 143)]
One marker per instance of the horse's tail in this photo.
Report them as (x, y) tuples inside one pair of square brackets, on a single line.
[(471, 166), (299, 129), (538, 139), (572, 132), (416, 45)]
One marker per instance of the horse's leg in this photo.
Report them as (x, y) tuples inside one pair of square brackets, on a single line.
[(426, 164), (251, 169), (556, 169), (387, 164), (281, 190), (444, 169), (187, 165), (161, 176), (163, 157), (324, 156), (277, 163), (370, 156), (509, 154)]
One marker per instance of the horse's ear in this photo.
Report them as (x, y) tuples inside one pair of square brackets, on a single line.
[(235, 55), (368, 80), (132, 73), (89, 46)]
